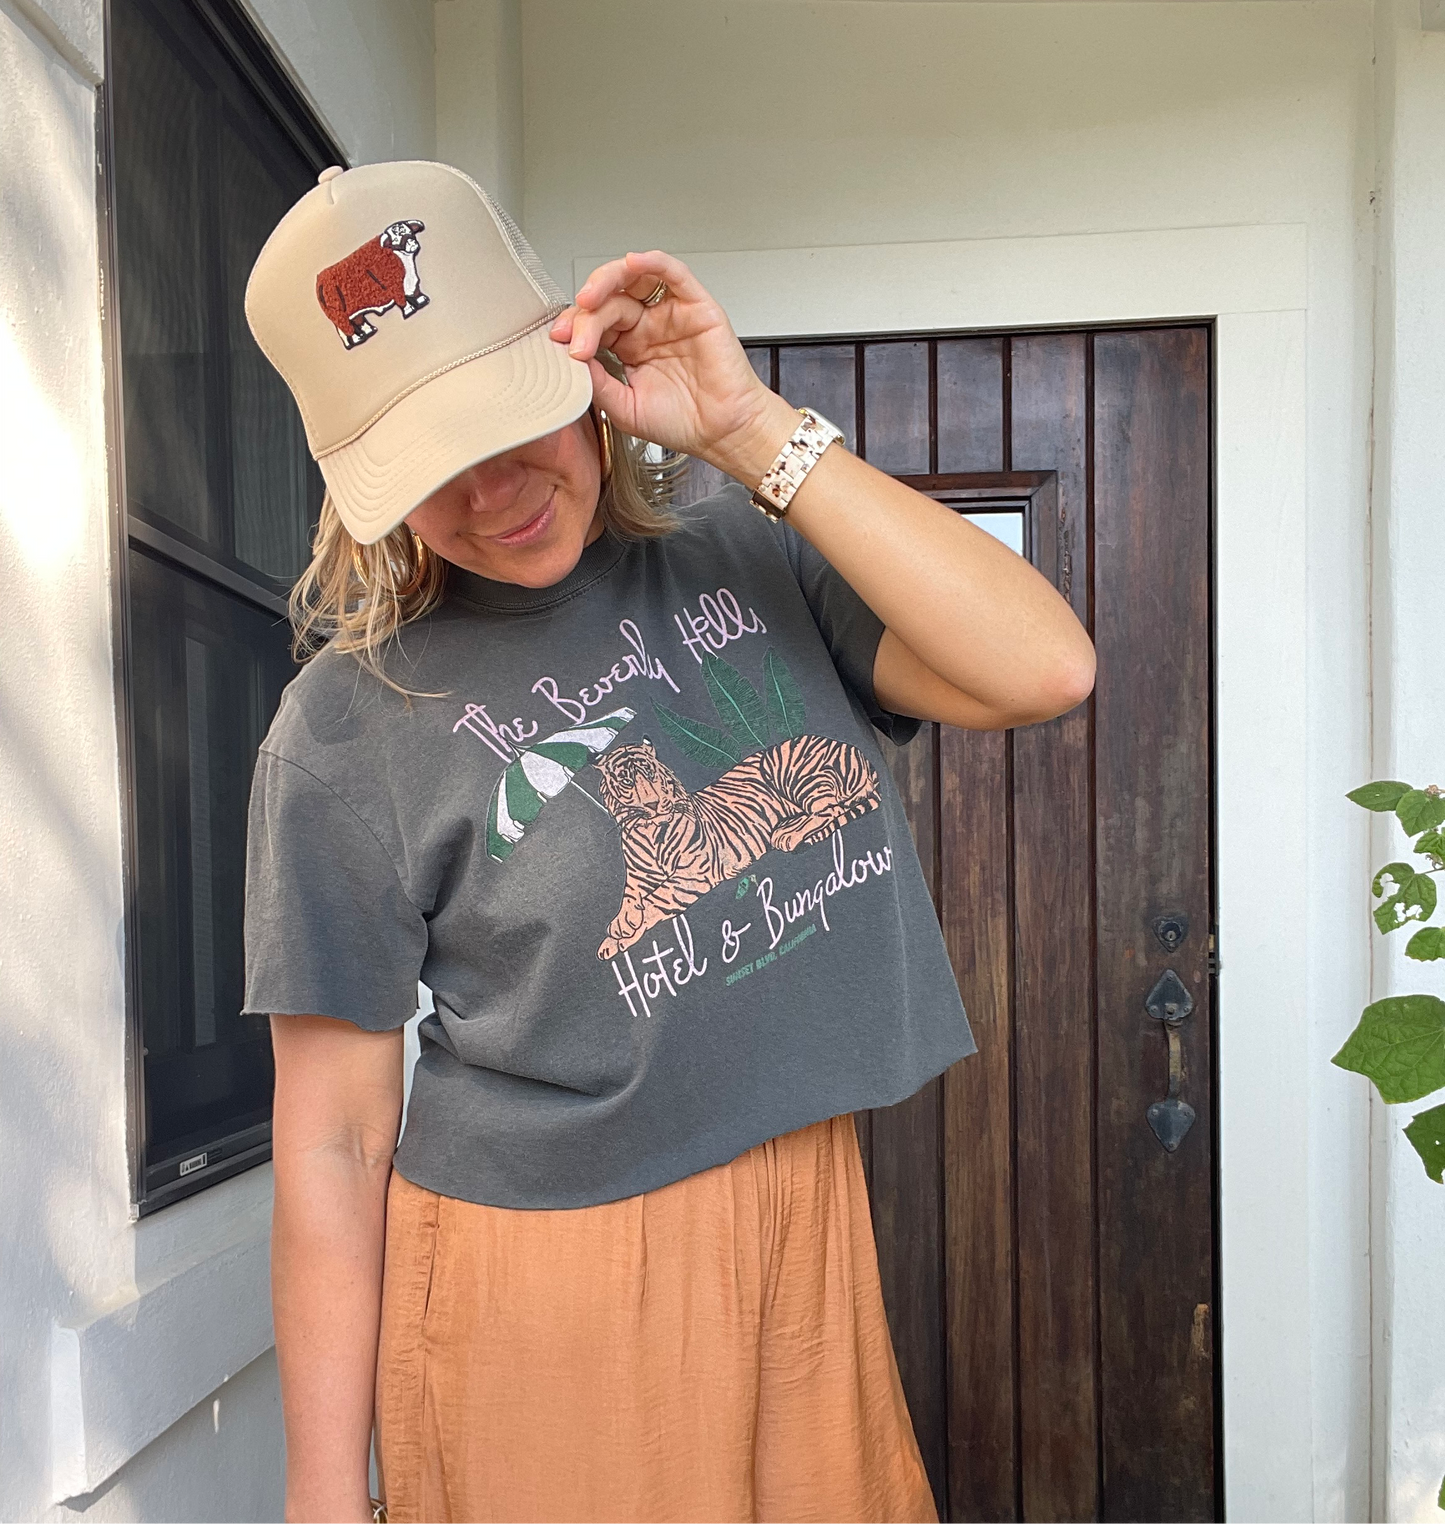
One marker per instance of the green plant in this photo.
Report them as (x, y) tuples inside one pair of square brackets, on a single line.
[(1399, 1043)]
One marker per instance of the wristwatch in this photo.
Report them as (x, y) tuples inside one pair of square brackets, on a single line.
[(801, 452)]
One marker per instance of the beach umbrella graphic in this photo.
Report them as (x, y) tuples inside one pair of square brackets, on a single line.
[(540, 772)]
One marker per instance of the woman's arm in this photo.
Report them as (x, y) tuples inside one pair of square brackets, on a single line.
[(337, 1113), (973, 636)]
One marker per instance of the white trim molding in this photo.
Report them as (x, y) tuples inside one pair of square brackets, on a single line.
[(1004, 282), (121, 1374), (1254, 280)]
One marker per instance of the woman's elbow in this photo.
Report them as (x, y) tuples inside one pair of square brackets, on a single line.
[(1062, 686), (1075, 677)]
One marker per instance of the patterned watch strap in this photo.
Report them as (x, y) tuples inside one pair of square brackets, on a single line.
[(797, 457)]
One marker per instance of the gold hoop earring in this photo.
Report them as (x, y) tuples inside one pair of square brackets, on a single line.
[(423, 566), (604, 441)]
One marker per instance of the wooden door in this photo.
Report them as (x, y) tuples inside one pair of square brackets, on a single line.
[(1047, 1261)]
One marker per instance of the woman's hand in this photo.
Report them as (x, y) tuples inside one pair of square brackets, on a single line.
[(691, 387), (973, 636)]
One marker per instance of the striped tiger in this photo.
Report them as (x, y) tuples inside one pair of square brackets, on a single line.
[(676, 846)]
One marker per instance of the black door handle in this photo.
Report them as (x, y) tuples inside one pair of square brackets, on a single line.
[(1170, 1002)]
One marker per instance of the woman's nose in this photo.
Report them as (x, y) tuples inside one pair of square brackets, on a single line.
[(493, 484)]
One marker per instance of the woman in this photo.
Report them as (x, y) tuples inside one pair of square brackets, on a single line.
[(608, 782)]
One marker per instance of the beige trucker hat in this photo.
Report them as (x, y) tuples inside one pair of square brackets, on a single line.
[(409, 317)]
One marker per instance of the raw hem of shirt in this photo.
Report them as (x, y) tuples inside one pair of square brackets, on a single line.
[(706, 1152)]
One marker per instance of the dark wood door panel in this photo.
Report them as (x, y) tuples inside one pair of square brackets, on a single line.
[(970, 405), (905, 1170), (1047, 1265), (895, 412), (979, 1245), (824, 376), (1054, 1044), (1151, 508)]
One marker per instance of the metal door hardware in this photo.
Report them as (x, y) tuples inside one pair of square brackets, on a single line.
[(1171, 929), (1170, 1002)]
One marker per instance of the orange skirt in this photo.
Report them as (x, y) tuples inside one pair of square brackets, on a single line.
[(715, 1349)]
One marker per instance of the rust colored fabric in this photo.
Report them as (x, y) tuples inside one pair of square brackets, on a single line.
[(714, 1349)]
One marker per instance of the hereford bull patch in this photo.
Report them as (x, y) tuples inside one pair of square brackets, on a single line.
[(373, 279)]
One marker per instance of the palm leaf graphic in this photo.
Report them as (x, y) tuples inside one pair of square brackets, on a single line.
[(703, 743), (737, 702), (785, 698), (540, 772)]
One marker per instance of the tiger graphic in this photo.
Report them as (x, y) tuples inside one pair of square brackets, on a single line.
[(676, 846)]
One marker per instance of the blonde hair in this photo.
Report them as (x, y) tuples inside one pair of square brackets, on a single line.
[(356, 597)]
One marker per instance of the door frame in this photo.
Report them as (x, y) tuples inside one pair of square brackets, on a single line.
[(1292, 1148)]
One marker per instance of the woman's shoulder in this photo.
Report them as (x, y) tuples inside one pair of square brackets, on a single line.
[(334, 698)]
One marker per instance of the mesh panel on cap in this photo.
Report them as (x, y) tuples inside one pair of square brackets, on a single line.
[(536, 270)]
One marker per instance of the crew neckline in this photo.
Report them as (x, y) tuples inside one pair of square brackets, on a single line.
[(596, 560)]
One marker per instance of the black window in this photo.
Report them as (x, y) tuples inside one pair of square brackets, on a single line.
[(208, 145)]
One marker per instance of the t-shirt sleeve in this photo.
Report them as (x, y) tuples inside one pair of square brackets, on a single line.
[(850, 630), (329, 930)]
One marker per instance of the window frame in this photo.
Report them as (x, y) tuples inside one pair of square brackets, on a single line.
[(245, 47)]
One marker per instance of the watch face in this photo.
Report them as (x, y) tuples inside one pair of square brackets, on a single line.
[(829, 427)]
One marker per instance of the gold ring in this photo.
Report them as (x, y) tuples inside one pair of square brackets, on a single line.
[(658, 292)]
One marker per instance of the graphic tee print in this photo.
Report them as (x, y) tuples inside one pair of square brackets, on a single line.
[(644, 850)]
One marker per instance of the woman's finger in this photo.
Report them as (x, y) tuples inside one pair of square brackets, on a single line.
[(637, 274), (658, 265), (603, 282), (613, 397), (594, 330)]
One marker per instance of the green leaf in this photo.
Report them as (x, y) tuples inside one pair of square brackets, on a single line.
[(785, 699), (1400, 1045), (1427, 944), (1440, 1501), (1418, 894), (1379, 796), (1431, 844), (1419, 811), (736, 701), (1399, 875), (703, 743), (1415, 901), (1427, 1137)]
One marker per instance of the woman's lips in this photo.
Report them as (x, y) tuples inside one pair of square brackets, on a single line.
[(533, 529)]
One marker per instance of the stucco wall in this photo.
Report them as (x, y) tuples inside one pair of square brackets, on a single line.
[(479, 93), (1409, 1226), (111, 1330), (367, 67), (778, 124)]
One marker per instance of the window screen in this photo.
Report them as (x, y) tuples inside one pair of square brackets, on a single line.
[(208, 147)]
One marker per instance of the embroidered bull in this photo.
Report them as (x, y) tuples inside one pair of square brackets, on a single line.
[(373, 279)]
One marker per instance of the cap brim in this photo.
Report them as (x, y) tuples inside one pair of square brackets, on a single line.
[(496, 402)]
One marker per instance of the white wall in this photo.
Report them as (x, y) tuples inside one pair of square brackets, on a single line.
[(1409, 621), (777, 124), (112, 1333), (479, 93), (367, 67)]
